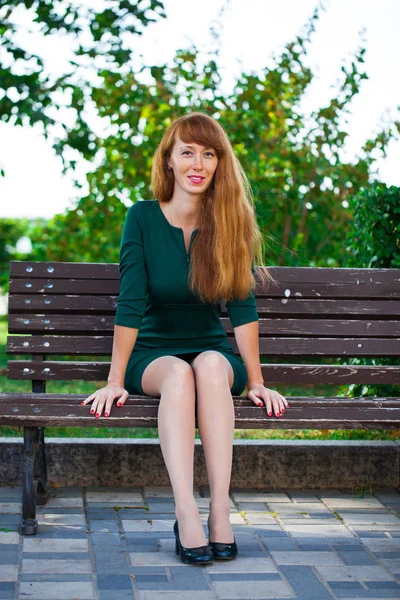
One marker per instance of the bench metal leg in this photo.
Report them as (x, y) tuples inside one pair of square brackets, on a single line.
[(42, 484), (31, 447)]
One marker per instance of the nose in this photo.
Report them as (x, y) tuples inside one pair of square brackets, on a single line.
[(197, 161)]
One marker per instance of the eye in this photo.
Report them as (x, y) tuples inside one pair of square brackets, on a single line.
[(186, 152), (211, 154)]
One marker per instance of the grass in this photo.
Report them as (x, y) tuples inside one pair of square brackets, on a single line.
[(82, 387)]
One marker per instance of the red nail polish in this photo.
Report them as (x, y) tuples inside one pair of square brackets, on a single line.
[(283, 410), (106, 414), (270, 414), (97, 415), (278, 414), (92, 412), (260, 404), (119, 405), (82, 402)]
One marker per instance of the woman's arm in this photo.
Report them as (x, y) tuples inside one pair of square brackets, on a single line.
[(123, 344), (247, 340)]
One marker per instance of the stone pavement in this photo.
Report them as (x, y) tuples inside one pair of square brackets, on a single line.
[(118, 544)]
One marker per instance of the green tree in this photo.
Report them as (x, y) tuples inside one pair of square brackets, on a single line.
[(373, 241), (101, 39), (11, 230), (294, 160)]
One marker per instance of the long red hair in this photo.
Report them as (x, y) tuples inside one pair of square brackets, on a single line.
[(229, 242)]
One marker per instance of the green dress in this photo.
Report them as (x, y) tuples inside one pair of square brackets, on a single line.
[(155, 298)]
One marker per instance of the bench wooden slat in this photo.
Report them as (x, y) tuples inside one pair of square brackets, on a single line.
[(303, 289), (82, 305), (272, 374), (70, 323), (72, 270), (54, 399), (271, 346), (298, 417)]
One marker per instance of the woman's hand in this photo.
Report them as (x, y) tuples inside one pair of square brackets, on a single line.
[(271, 399), (105, 396)]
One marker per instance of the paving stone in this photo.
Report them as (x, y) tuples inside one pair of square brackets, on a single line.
[(47, 518), (353, 573), (64, 591), (116, 595), (48, 545), (269, 530), (256, 518), (381, 545), (306, 558), (161, 507), (346, 585), (305, 583), (55, 566), (7, 521), (68, 534), (296, 508), (243, 496), (148, 525), (383, 585), (10, 492), (7, 537), (366, 594), (356, 558), (106, 526), (278, 544), (161, 492), (392, 564), (253, 506), (114, 582), (174, 595), (152, 578), (8, 572), (242, 565), (65, 502), (54, 577), (10, 556), (316, 531), (10, 508), (347, 501), (258, 589), (370, 518), (301, 496), (115, 496)]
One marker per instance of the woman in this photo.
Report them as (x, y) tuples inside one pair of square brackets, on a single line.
[(181, 254)]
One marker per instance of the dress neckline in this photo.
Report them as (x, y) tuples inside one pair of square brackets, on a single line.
[(170, 224)]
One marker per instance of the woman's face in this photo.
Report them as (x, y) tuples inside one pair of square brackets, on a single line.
[(193, 165)]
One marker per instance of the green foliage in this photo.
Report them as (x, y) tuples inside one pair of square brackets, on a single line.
[(11, 230), (99, 38), (300, 181), (373, 241), (374, 237)]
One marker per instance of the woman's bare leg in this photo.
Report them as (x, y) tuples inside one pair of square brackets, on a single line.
[(173, 380), (216, 421)]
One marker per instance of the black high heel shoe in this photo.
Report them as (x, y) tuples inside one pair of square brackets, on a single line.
[(201, 555), (220, 550)]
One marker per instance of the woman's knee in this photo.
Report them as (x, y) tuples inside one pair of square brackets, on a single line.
[(214, 366), (167, 371)]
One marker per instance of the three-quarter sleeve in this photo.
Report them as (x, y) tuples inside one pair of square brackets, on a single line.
[(133, 295), (244, 311)]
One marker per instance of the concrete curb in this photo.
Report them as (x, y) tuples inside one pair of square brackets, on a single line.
[(274, 464)]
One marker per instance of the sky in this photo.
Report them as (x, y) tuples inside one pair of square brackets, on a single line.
[(252, 31)]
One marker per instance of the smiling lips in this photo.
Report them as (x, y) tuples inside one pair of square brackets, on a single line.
[(196, 179)]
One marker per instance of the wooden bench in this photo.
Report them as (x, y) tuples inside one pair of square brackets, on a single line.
[(67, 309)]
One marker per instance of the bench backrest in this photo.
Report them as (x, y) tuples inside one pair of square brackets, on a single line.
[(67, 309)]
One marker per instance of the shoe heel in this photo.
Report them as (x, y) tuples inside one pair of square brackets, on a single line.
[(176, 547)]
